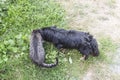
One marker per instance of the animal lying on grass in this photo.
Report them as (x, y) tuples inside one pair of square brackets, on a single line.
[(37, 53), (71, 39)]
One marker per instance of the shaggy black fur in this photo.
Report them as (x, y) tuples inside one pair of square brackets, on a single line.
[(82, 41)]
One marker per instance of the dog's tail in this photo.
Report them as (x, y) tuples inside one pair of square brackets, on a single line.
[(50, 65)]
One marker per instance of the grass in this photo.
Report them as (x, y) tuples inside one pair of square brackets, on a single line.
[(22, 68), (111, 3), (20, 19)]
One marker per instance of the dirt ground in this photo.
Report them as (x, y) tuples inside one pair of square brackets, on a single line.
[(100, 18)]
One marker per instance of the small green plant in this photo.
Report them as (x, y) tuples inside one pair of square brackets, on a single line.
[(3, 14)]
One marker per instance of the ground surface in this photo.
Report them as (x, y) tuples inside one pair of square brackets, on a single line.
[(100, 18)]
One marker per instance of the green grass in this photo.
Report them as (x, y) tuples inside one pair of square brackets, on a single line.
[(107, 48), (19, 19), (23, 69)]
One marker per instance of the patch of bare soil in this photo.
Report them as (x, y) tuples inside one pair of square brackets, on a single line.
[(115, 67), (100, 18), (88, 75), (96, 16)]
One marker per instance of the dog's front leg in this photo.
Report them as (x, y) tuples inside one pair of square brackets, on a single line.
[(85, 53), (84, 57)]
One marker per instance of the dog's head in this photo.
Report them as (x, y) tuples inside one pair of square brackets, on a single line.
[(93, 43), (94, 46)]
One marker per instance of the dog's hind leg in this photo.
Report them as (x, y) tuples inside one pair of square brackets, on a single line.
[(58, 46)]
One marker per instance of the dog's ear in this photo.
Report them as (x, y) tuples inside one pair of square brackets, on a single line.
[(90, 37), (87, 39)]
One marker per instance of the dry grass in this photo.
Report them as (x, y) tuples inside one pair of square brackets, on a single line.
[(95, 16), (101, 18)]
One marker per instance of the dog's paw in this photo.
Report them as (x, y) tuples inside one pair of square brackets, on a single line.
[(82, 59)]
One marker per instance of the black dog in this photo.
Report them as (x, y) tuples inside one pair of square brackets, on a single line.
[(82, 41)]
